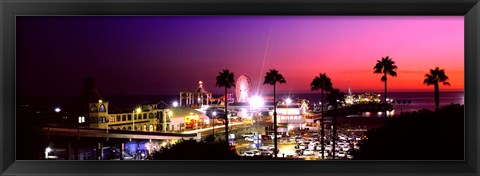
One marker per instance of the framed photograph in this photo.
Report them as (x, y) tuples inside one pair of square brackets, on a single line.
[(256, 87)]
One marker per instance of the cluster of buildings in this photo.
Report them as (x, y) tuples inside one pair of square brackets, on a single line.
[(194, 110)]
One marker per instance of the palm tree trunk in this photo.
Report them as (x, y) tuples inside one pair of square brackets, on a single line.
[(437, 96), (275, 122), (334, 129), (226, 117), (385, 95), (322, 132)]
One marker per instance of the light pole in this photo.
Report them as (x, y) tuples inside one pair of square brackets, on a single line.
[(256, 102), (47, 150), (170, 114), (288, 101), (214, 113), (197, 119), (138, 110), (108, 121)]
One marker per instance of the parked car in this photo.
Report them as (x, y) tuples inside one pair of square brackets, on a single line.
[(264, 153), (251, 139), (266, 148), (349, 156), (325, 154), (328, 147), (272, 136), (271, 147), (248, 153), (255, 152), (308, 152), (291, 139), (301, 147), (341, 154), (248, 135), (356, 147)]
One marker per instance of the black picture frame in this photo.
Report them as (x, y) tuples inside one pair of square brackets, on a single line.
[(11, 8)]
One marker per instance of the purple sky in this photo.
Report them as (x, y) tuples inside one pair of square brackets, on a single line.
[(141, 55)]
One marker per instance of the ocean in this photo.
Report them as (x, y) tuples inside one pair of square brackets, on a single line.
[(419, 100)]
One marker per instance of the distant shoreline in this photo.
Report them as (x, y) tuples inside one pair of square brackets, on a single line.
[(278, 93)]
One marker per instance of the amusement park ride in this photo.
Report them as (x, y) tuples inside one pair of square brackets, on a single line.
[(243, 88)]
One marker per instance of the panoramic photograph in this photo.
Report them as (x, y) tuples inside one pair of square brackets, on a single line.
[(240, 88)]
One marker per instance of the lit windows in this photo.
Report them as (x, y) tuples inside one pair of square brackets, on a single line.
[(93, 108), (102, 108), (81, 119)]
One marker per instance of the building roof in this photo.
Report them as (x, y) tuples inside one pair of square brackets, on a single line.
[(184, 111), (293, 106)]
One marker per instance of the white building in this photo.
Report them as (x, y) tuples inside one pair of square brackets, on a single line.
[(292, 116)]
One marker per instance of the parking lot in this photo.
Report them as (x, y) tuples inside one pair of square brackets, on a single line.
[(301, 144)]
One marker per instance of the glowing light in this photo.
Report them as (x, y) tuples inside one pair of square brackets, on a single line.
[(256, 101), (170, 113), (288, 101), (57, 110), (47, 150), (214, 113), (244, 112), (175, 104), (100, 101), (139, 110)]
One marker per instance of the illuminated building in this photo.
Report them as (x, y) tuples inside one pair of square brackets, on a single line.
[(292, 116), (349, 98), (184, 118), (199, 98), (149, 118)]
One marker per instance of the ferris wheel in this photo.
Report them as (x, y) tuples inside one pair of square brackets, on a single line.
[(243, 87)]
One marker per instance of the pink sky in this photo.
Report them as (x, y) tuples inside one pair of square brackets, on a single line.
[(140, 55), (349, 52)]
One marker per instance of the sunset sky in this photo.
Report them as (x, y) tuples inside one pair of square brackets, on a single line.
[(162, 55)]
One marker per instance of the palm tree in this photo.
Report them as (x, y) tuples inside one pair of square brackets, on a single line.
[(226, 79), (323, 83), (272, 78), (386, 66), (335, 98), (436, 76)]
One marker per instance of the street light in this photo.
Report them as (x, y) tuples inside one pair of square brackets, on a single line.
[(175, 104), (256, 102), (47, 150), (57, 110), (288, 101), (108, 121), (138, 110), (214, 113)]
